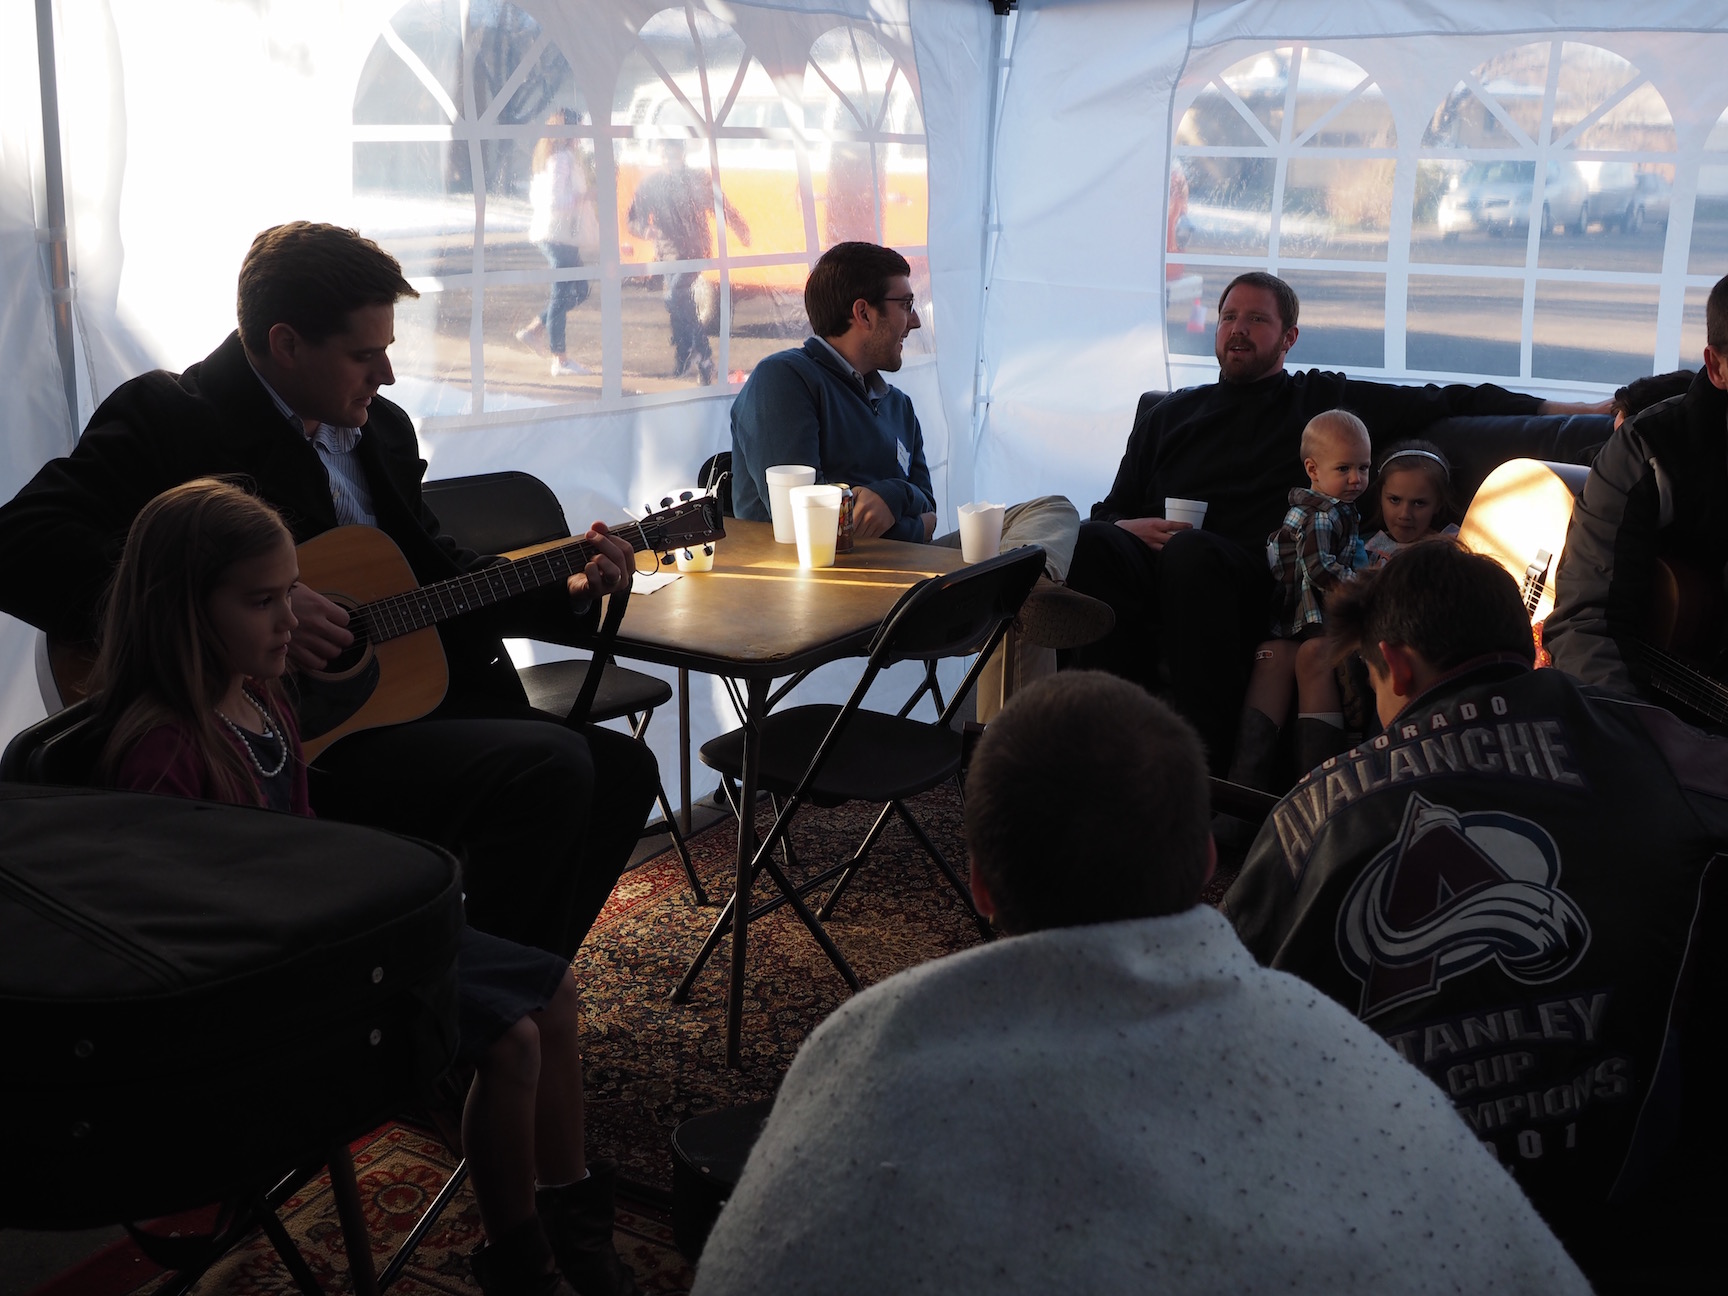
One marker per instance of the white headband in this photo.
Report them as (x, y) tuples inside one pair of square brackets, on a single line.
[(1422, 454)]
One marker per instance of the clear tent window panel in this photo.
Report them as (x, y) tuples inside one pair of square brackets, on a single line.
[(643, 235), (1544, 161), (1543, 180), (1707, 254), (1286, 159)]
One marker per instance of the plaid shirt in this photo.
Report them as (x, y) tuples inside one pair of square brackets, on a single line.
[(1317, 547)]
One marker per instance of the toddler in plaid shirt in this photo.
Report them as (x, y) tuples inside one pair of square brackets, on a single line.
[(1318, 545)]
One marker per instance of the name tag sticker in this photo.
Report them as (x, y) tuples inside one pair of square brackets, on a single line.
[(904, 456)]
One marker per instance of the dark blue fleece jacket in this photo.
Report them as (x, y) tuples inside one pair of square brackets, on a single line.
[(801, 407)]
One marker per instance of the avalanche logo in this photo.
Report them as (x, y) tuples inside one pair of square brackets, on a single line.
[(1452, 892)]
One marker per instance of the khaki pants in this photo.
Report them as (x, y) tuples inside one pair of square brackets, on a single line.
[(1052, 523)]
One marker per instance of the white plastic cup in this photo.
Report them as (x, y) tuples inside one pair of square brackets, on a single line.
[(1190, 511), (781, 480), (980, 531), (815, 523)]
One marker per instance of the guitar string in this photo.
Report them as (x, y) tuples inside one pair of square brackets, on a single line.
[(410, 610), (1685, 683)]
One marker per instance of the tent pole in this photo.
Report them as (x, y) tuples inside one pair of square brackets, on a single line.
[(59, 251), (987, 250)]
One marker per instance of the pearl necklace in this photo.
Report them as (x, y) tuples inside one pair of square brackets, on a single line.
[(249, 749)]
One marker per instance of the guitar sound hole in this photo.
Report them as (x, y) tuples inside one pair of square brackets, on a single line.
[(347, 659)]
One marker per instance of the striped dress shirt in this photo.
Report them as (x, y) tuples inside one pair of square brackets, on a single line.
[(349, 491)]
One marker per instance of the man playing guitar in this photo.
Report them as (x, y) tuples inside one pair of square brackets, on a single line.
[(1656, 503), (544, 816)]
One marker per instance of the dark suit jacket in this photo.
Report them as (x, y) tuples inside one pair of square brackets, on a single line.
[(61, 537)]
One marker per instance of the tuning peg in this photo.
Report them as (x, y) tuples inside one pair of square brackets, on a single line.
[(684, 497), (666, 560)]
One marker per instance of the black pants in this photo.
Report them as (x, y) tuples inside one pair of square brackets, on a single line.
[(1187, 619), (543, 817)]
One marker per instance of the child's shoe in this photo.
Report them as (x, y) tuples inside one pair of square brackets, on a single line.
[(578, 1219)]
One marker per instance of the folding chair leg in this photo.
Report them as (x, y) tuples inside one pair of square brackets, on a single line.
[(716, 933), (355, 1239), (855, 863), (638, 727), (954, 879), (290, 1255), (810, 920), (789, 894), (678, 844), (422, 1226)]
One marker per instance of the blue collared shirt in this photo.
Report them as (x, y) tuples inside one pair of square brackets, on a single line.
[(349, 491)]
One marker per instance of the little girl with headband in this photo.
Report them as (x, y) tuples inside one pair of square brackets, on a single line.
[(1410, 500)]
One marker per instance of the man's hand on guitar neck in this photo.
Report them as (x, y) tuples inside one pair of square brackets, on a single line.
[(322, 631), (607, 572)]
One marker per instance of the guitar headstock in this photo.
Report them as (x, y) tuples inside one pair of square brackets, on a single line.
[(693, 522)]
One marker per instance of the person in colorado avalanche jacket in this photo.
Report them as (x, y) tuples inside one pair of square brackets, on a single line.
[(1519, 885)]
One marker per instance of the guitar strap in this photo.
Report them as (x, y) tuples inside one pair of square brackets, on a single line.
[(579, 709)]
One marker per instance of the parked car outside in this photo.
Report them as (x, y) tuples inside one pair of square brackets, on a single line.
[(1495, 198), (1655, 195)]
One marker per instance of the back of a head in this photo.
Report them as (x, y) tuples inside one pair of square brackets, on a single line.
[(845, 273), (1086, 802), (1447, 603), (1716, 317), (1641, 393), (312, 277)]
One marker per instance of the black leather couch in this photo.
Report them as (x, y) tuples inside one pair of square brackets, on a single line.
[(1477, 446)]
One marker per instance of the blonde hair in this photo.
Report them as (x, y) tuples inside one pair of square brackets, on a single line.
[(1323, 427), (161, 660)]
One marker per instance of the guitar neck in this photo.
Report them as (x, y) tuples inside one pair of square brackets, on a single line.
[(1686, 684), (415, 609)]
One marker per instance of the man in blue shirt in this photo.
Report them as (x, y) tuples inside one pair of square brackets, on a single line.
[(826, 404)]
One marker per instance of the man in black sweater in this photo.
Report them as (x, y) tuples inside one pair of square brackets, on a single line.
[(1191, 603), (543, 815)]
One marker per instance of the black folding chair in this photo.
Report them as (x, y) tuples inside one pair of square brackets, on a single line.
[(501, 511), (830, 754), (61, 750)]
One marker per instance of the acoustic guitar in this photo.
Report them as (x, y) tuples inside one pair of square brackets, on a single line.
[(395, 669), (1519, 517)]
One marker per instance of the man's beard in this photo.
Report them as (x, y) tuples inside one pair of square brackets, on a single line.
[(1252, 365)]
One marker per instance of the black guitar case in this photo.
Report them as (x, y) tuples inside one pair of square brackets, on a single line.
[(196, 999)]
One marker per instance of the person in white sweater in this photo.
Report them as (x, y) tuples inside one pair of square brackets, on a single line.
[(561, 197), (1115, 1097)]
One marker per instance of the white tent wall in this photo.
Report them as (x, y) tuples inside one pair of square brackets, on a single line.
[(188, 130), (32, 401), (1075, 318)]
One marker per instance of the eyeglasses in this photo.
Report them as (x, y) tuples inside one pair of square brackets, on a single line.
[(905, 301)]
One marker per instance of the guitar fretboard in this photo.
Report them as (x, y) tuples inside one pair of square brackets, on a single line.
[(1686, 684), (415, 609)]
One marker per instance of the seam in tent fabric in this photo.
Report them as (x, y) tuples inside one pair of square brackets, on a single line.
[(1170, 134)]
